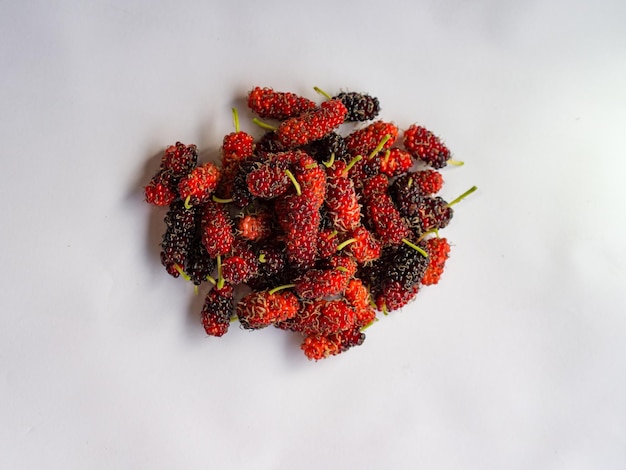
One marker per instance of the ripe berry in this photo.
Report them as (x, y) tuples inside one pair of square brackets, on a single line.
[(298, 214), (342, 263), (358, 297), (327, 242), (269, 179), (332, 143), (268, 103), (312, 125), (217, 310), (255, 227), (438, 251), (341, 202), (433, 213), (318, 283), (363, 245), (179, 159), (161, 190), (364, 141), (199, 263), (317, 347), (260, 309), (360, 106), (408, 190), (429, 182), (178, 237), (406, 266), (385, 218), (217, 230), (272, 260), (395, 162), (237, 145), (426, 146), (394, 296), (324, 317), (241, 264), (199, 184)]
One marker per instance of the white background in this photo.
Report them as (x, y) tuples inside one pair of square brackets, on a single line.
[(516, 360)]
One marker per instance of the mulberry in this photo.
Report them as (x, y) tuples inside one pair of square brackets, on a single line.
[(312, 125), (426, 146), (217, 310), (360, 106), (268, 103)]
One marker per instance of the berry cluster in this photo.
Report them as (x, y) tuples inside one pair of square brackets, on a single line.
[(323, 220)]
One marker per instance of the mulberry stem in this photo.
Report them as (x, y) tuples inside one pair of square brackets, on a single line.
[(330, 162), (276, 289), (342, 245), (463, 196), (236, 119), (380, 146), (415, 247), (365, 327), (386, 159), (351, 164), (294, 181), (323, 93), (220, 200), (220, 279), (264, 125), (187, 205), (182, 273)]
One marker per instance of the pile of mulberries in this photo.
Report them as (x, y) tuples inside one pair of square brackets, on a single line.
[(317, 223)]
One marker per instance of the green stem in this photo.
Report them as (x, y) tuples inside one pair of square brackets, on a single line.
[(182, 273), (415, 247), (351, 164), (341, 246), (294, 181), (264, 125), (456, 162), (187, 205), (276, 289), (220, 279), (262, 258), (380, 146), (386, 159), (463, 196), (323, 93), (330, 162), (410, 182), (211, 280), (369, 324), (236, 119), (342, 269), (220, 200)]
